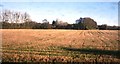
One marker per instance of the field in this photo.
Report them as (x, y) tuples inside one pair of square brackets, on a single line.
[(28, 45)]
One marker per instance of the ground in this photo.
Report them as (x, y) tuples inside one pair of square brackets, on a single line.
[(53, 45)]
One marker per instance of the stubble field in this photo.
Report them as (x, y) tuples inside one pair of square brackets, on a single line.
[(28, 45)]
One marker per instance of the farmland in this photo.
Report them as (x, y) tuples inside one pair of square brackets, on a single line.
[(54, 45)]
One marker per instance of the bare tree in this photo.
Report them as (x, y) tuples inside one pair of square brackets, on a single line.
[(5, 16), (14, 17), (26, 17)]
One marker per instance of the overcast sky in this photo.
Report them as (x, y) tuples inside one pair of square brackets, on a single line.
[(101, 12)]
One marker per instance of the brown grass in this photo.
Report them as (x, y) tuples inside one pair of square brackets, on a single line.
[(47, 45)]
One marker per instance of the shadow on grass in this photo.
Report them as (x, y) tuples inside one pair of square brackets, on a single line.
[(95, 51)]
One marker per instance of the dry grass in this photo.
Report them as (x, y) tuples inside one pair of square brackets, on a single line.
[(52, 45)]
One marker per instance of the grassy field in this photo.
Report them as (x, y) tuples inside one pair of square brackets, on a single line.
[(28, 45)]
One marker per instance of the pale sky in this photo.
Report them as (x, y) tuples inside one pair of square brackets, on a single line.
[(101, 12), (59, 0)]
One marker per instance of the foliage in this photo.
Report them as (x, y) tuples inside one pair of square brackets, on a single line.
[(17, 20), (86, 23)]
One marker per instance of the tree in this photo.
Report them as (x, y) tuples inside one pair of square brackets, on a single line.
[(45, 24), (86, 23), (54, 24), (103, 27), (14, 18), (59, 24), (5, 15)]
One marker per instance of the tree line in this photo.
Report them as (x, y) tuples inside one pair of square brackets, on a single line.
[(17, 20)]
